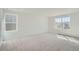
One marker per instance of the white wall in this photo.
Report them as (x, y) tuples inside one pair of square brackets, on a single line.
[(28, 24), (74, 30), (0, 29), (1, 19)]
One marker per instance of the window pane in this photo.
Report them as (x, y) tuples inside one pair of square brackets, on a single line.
[(63, 22), (10, 18), (10, 27)]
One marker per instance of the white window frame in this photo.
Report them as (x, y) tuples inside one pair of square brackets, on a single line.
[(5, 22)]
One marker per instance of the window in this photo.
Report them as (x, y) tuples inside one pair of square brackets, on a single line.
[(63, 22), (10, 22)]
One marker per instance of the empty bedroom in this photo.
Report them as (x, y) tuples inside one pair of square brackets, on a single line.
[(39, 29)]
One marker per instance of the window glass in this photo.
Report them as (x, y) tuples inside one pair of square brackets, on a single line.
[(63, 22)]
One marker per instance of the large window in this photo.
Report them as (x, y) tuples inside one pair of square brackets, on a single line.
[(10, 22), (63, 22)]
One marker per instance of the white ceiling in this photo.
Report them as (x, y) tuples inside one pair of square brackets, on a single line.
[(45, 11)]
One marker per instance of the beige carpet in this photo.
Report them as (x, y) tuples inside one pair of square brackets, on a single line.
[(40, 42)]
